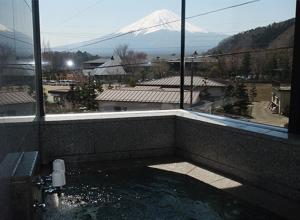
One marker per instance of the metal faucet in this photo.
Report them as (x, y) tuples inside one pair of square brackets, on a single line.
[(38, 205), (44, 183), (52, 190)]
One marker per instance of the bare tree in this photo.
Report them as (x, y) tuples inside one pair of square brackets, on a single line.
[(130, 59), (122, 51), (129, 56)]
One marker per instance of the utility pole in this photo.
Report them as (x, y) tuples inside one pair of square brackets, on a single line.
[(195, 54)]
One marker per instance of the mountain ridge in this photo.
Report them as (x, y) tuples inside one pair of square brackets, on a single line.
[(280, 34)]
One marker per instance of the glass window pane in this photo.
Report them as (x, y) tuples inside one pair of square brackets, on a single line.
[(241, 64), (111, 61), (17, 89)]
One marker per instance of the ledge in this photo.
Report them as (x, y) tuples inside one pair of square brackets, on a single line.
[(17, 119), (111, 115), (271, 131), (239, 124)]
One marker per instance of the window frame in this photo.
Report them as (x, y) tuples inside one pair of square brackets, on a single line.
[(294, 119)]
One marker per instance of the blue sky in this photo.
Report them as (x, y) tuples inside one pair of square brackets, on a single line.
[(69, 21)]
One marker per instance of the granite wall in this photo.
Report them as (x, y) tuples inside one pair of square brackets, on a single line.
[(262, 160), (108, 139)]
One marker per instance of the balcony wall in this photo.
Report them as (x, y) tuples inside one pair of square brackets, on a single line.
[(108, 138), (260, 159), (260, 155)]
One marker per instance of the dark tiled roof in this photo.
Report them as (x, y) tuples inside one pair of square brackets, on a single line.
[(9, 98), (175, 81), (100, 60)]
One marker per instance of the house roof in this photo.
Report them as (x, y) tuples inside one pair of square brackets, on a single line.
[(59, 91), (10, 98), (196, 60), (155, 95), (97, 61), (110, 68), (285, 88), (175, 81)]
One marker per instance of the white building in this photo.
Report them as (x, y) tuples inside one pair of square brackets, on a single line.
[(111, 69), (90, 65), (281, 99)]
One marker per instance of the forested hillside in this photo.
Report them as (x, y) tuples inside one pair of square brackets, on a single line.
[(263, 53), (272, 36)]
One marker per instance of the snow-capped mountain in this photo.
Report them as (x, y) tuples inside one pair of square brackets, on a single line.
[(3, 28), (160, 20), (157, 34)]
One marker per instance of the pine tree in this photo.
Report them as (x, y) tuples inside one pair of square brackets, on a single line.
[(253, 93), (242, 96), (246, 66), (84, 95)]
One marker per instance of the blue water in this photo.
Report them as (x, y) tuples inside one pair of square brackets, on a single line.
[(145, 193)]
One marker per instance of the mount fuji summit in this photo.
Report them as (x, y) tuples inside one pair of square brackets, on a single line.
[(157, 34), (159, 21)]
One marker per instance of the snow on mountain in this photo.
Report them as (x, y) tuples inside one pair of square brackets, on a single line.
[(162, 38), (4, 28), (160, 20)]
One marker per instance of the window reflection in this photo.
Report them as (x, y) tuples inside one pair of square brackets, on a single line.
[(17, 89)]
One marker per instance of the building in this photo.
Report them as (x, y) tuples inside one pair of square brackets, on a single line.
[(58, 95), (192, 63), (16, 104), (160, 94), (90, 65), (281, 100), (212, 88), (144, 98), (111, 70)]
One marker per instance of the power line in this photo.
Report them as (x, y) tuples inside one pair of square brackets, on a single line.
[(223, 9), (27, 4), (146, 28), (245, 52), (88, 34), (199, 46), (201, 56), (75, 15), (12, 38)]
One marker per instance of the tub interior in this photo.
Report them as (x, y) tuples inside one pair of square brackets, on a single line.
[(143, 192)]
